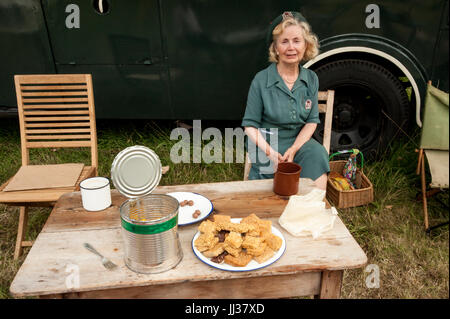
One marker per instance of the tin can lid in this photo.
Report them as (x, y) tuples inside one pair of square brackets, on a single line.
[(136, 171)]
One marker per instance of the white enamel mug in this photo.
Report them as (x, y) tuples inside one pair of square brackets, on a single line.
[(95, 193)]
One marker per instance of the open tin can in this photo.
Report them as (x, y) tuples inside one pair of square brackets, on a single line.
[(149, 229), (149, 221)]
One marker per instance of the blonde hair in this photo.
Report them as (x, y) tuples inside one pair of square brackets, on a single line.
[(312, 42)]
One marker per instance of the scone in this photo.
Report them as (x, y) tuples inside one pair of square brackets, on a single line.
[(253, 230), (234, 239), (207, 226), (273, 241), (266, 255), (215, 251), (252, 221), (222, 218), (265, 225), (231, 250), (205, 241), (252, 242), (238, 228), (238, 261), (259, 250)]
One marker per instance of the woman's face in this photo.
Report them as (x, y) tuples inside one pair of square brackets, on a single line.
[(291, 45)]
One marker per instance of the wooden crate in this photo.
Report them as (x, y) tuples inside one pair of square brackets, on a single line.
[(352, 198)]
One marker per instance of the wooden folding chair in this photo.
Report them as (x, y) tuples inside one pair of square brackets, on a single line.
[(434, 148), (326, 101), (55, 111)]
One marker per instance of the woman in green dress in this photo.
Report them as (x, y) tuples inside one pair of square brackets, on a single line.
[(282, 109)]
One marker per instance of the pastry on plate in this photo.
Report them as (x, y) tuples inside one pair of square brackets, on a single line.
[(266, 255), (206, 241), (218, 218), (273, 241), (215, 251), (231, 250), (252, 242), (207, 226), (241, 260), (237, 243), (234, 239), (259, 250)]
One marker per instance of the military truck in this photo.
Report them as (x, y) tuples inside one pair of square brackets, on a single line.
[(195, 59)]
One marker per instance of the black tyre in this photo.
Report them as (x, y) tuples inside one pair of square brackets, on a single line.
[(370, 105)]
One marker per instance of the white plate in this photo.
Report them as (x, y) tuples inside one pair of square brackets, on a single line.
[(201, 203), (252, 265)]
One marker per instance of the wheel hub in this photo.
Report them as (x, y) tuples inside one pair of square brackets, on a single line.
[(345, 115)]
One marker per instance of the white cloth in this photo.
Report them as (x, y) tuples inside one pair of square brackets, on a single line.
[(306, 215)]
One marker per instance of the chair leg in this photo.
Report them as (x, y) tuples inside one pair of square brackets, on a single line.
[(445, 205), (21, 230), (419, 161), (424, 193)]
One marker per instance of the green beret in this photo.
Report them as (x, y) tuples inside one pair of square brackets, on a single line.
[(287, 14)]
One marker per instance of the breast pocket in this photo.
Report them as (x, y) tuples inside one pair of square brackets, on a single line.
[(306, 105)]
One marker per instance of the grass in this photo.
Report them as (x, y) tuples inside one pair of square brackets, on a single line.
[(389, 230)]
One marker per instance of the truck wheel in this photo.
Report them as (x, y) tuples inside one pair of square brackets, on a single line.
[(370, 105)]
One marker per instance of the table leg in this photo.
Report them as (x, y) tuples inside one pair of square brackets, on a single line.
[(331, 284)]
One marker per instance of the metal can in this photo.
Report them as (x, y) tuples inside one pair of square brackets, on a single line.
[(136, 171), (149, 221), (149, 230)]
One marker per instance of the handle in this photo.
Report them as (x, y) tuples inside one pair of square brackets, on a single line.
[(100, 5), (92, 249), (353, 151)]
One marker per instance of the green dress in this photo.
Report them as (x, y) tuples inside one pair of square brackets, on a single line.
[(280, 114)]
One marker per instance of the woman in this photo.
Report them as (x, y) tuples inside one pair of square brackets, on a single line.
[(284, 96)]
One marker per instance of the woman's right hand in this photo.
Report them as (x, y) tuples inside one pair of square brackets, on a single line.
[(275, 158), (255, 136)]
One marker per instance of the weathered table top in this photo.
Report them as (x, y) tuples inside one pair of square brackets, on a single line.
[(59, 247)]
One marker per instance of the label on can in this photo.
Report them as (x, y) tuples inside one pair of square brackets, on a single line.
[(150, 229)]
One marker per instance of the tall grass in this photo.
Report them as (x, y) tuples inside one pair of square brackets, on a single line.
[(390, 229)]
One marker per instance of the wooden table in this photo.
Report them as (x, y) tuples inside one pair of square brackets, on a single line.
[(308, 266)]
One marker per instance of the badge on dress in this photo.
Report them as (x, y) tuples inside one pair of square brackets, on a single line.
[(308, 104)]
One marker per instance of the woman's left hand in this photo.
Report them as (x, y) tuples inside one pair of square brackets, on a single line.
[(289, 155)]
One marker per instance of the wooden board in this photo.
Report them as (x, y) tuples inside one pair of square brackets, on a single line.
[(31, 177), (60, 246), (39, 197), (304, 284)]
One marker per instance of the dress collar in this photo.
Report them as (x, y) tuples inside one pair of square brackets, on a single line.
[(273, 77)]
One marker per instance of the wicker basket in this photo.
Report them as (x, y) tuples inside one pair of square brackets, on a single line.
[(357, 197)]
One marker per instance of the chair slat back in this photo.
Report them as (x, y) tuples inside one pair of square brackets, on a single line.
[(327, 108), (56, 110)]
